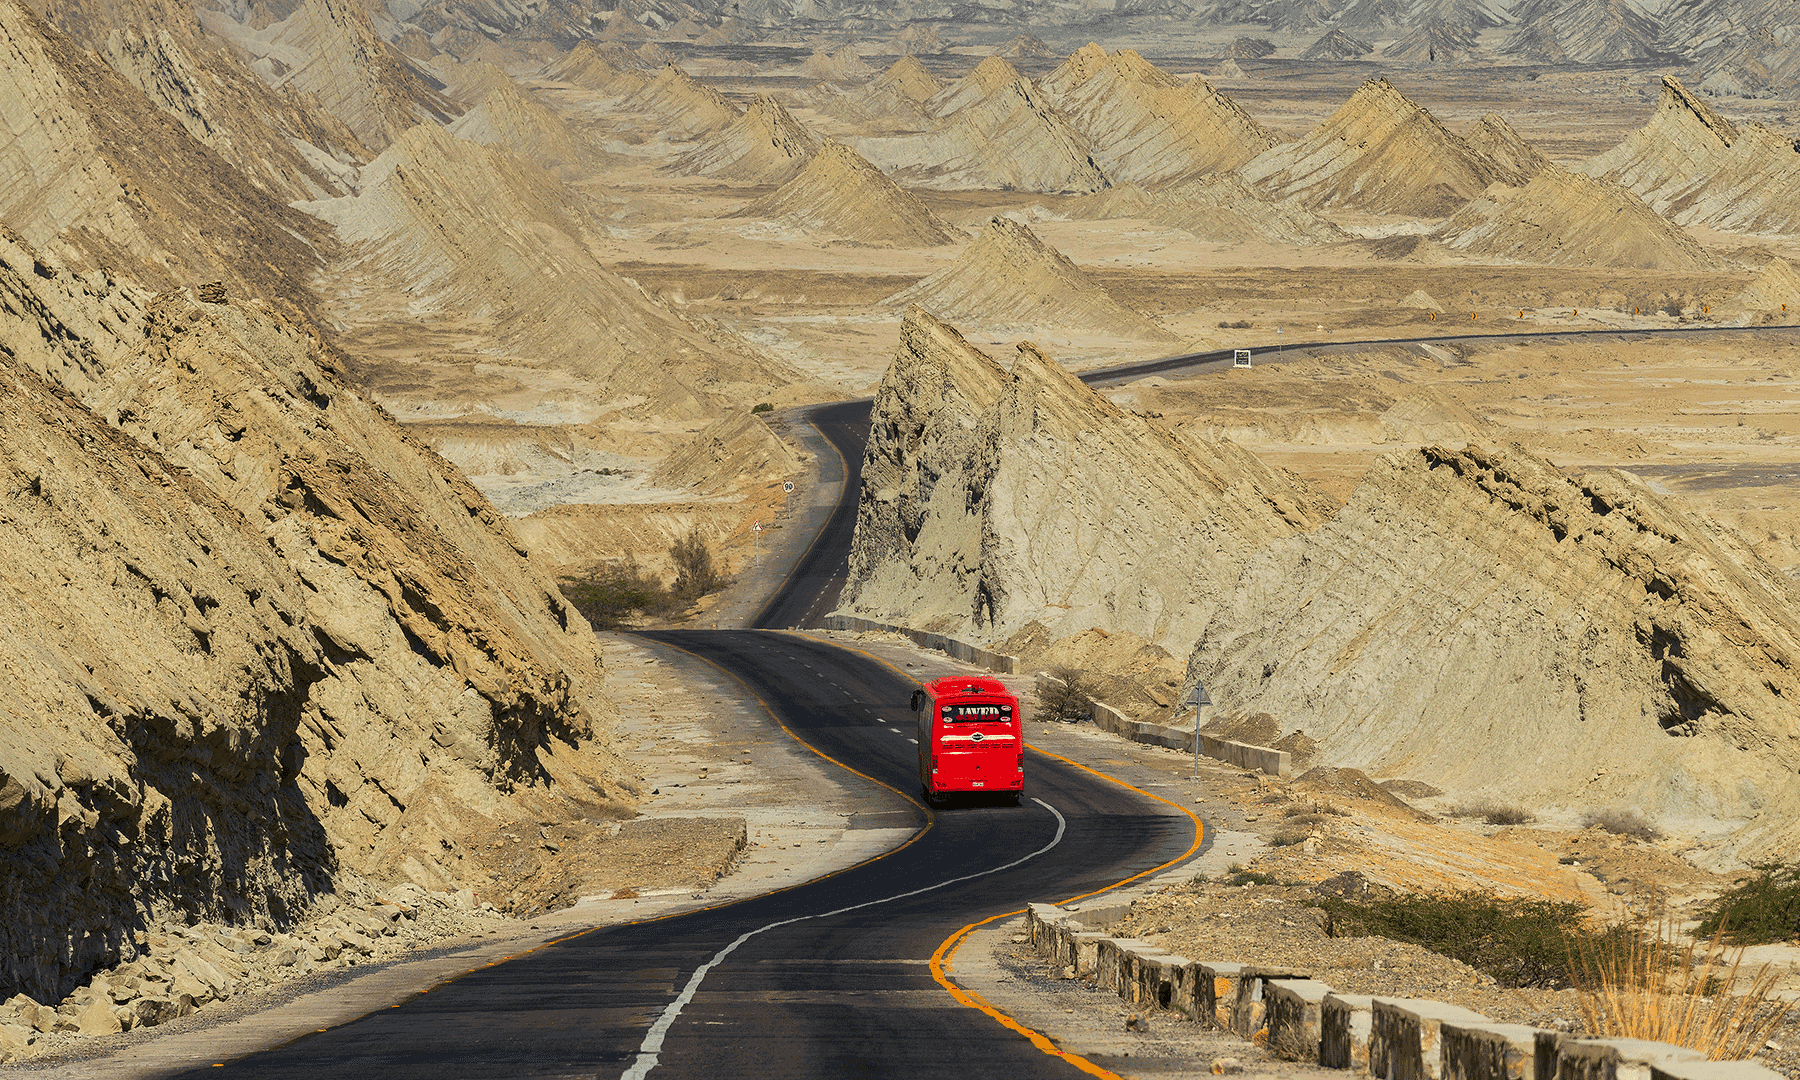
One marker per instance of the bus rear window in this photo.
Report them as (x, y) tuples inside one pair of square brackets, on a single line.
[(965, 714)]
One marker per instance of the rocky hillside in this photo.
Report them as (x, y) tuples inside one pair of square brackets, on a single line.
[(1699, 168), (275, 637), (840, 193), (993, 500), (765, 145), (1381, 153), (1010, 278), (1483, 621)]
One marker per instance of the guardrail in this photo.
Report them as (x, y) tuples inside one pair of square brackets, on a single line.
[(1302, 1019)]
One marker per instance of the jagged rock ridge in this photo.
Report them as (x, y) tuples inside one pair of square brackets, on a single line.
[(993, 129), (1484, 621), (1381, 153), (1563, 218), (1009, 277), (1223, 208), (765, 145), (840, 192), (1698, 168), (992, 500), (1146, 126)]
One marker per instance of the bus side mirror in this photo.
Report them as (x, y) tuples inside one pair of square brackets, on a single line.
[(918, 699)]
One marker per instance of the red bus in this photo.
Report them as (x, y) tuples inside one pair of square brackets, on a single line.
[(971, 738)]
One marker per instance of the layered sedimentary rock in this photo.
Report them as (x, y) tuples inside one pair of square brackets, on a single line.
[(1498, 141), (251, 625), (1337, 45), (455, 227), (1223, 208), (93, 174), (994, 129), (1481, 620), (507, 118), (837, 66), (683, 105), (330, 50), (728, 455), (1146, 126), (1582, 32), (765, 145), (1776, 291), (840, 193), (994, 499), (603, 66), (1381, 153), (1010, 278), (1569, 219), (1699, 168)]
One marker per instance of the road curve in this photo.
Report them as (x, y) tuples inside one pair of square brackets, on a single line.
[(832, 979)]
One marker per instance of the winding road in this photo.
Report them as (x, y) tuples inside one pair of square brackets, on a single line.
[(838, 977)]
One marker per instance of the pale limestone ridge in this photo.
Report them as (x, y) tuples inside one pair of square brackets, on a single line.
[(1381, 153), (1501, 144), (1485, 622), (329, 49), (994, 129), (1563, 218), (1337, 45), (93, 174), (507, 118), (765, 145), (604, 66), (844, 64), (682, 104), (1697, 168), (282, 143), (896, 98), (727, 456), (1775, 291), (1010, 278), (1146, 126), (478, 232), (257, 634), (992, 500), (1583, 32), (839, 192), (1222, 208)]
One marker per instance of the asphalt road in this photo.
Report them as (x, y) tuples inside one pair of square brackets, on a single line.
[(828, 979)]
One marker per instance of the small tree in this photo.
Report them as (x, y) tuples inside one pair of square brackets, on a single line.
[(1068, 694), (695, 574)]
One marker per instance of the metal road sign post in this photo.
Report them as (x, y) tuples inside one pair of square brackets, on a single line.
[(1198, 699), (756, 542)]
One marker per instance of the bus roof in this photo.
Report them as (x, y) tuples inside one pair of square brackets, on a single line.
[(952, 685)]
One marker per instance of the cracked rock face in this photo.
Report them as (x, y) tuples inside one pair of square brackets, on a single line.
[(1481, 620), (249, 619), (993, 499)]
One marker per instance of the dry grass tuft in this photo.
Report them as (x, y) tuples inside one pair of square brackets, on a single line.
[(1652, 983)]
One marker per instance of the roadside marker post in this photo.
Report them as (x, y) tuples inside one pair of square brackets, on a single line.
[(1198, 699), (756, 542)]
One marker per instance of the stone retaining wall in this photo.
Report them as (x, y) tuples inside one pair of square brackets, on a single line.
[(1386, 1038)]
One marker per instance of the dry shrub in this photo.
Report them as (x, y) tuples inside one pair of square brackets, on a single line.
[(1496, 813), (1068, 694), (1650, 985), (1622, 821)]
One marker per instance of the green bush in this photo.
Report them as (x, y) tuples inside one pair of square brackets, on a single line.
[(695, 573), (610, 596), (1067, 695), (762, 407), (1762, 909), (1520, 942), (1237, 875)]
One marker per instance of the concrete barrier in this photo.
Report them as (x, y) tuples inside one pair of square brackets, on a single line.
[(1260, 758), (1248, 1014), (1489, 1051), (1710, 1070), (1344, 1022), (1294, 1011), (1217, 983), (961, 650), (1405, 1037), (1387, 1038), (1617, 1059)]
